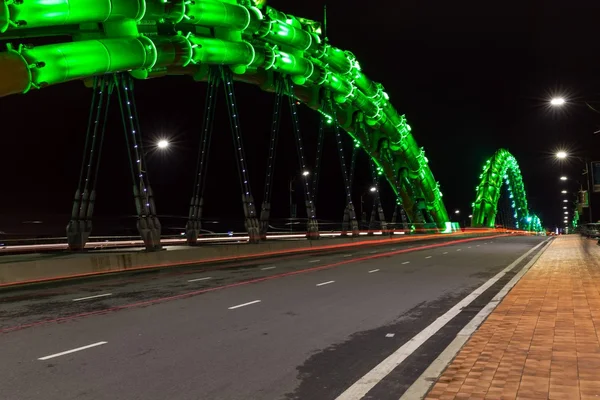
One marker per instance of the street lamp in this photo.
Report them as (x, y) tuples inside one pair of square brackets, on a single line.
[(162, 144), (561, 155), (557, 101), (565, 201), (372, 189), (563, 191), (564, 208), (563, 178), (305, 173), (457, 212)]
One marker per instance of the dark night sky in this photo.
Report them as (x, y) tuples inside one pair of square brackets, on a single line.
[(471, 77)]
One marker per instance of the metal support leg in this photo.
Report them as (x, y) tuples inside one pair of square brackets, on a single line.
[(148, 224), (194, 224), (377, 208), (80, 225), (312, 225), (349, 221), (265, 212), (399, 209), (251, 221), (319, 157)]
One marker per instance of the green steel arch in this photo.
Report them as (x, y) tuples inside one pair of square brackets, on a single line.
[(154, 38), (501, 168)]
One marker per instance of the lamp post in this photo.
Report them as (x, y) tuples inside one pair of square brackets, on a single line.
[(372, 189), (293, 209), (563, 155)]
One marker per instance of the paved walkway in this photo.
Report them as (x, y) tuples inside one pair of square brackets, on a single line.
[(542, 341)]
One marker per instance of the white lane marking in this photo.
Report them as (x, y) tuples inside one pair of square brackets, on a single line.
[(93, 297), (373, 377), (200, 279), (347, 255), (445, 252), (373, 270), (428, 257), (314, 261), (89, 346), (393, 249), (421, 386), (478, 245), (244, 305), (373, 252), (267, 268), (485, 243), (458, 249), (406, 262), (390, 335), (469, 247), (325, 283)]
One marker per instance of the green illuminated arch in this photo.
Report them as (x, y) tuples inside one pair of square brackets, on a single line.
[(502, 168), (154, 38)]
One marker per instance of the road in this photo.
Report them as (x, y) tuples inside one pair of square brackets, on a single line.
[(301, 327)]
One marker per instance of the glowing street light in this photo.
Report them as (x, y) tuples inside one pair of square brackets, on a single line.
[(373, 189), (162, 144), (562, 155), (565, 201), (305, 173), (457, 212), (563, 191), (563, 178), (566, 212), (557, 101), (564, 208)]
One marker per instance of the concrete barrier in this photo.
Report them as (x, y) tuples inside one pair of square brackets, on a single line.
[(37, 268)]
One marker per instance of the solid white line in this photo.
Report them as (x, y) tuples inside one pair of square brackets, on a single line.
[(458, 249), (445, 252), (361, 387), (421, 386), (314, 261), (200, 279), (244, 305), (428, 257), (347, 255), (325, 283), (373, 270), (71, 351), (267, 268), (93, 297), (406, 262)]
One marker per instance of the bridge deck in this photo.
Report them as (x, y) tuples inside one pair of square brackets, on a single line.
[(542, 341)]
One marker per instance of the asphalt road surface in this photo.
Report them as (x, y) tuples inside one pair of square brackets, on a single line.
[(297, 327)]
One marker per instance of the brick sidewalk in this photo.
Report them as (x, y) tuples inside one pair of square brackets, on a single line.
[(542, 341)]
